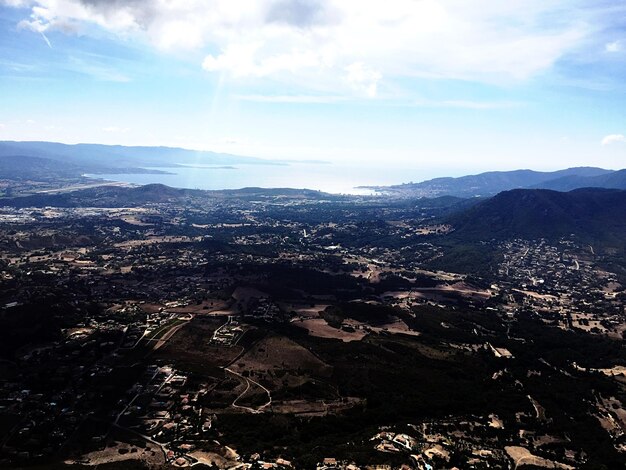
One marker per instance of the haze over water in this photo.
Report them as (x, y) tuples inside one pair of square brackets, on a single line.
[(318, 176)]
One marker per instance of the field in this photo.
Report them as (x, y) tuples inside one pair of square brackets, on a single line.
[(117, 452), (277, 355), (191, 347), (523, 457), (320, 328)]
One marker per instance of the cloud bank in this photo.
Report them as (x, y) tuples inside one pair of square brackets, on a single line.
[(613, 138), (342, 45)]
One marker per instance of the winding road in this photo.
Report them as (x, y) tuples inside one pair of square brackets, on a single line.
[(261, 408)]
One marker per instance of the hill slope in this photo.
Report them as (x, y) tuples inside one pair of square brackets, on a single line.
[(614, 180), (488, 184), (21, 167), (116, 196), (96, 158), (592, 214)]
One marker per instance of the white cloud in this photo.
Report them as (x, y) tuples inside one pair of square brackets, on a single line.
[(36, 26), (469, 104), (16, 3), (318, 99), (324, 99), (481, 104), (96, 69), (116, 130), (613, 138), (343, 45), (364, 78), (614, 46)]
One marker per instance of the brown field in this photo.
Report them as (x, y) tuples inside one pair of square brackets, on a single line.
[(191, 344), (457, 288), (579, 320), (150, 307), (618, 331), (276, 354), (224, 459), (207, 307), (213, 306), (304, 311), (617, 409), (395, 327), (522, 456), (319, 328), (315, 407), (151, 455), (536, 295), (441, 353), (617, 370)]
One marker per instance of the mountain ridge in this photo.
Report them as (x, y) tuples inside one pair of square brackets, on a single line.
[(98, 158), (130, 196), (613, 180), (488, 183), (589, 213)]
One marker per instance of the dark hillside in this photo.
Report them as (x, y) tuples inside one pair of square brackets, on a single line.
[(592, 214)]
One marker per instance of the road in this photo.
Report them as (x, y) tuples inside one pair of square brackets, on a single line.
[(261, 408), (117, 418), (147, 438), (172, 331), (216, 332), (165, 337)]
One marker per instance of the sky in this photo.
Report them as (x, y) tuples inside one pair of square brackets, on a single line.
[(458, 85)]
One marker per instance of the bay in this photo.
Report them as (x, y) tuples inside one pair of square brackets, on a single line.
[(327, 177)]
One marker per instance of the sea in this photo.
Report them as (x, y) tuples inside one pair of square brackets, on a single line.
[(327, 177)]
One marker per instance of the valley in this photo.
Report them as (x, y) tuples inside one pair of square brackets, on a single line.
[(260, 329)]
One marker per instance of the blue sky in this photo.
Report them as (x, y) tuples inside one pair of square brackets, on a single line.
[(457, 85)]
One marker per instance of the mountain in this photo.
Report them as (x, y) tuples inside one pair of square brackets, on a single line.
[(592, 214), (95, 158), (105, 196), (121, 196), (22, 167), (613, 180), (36, 168), (486, 184)]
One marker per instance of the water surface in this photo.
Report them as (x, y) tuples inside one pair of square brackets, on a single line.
[(338, 179)]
